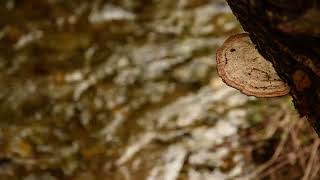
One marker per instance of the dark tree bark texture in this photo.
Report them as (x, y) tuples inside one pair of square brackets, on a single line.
[(287, 33)]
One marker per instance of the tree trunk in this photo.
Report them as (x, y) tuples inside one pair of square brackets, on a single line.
[(287, 33)]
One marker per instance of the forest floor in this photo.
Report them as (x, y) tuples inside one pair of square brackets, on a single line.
[(125, 89)]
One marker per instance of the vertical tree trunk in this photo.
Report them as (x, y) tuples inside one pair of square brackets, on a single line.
[(287, 33)]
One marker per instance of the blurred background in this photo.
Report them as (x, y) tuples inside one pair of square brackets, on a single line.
[(128, 90)]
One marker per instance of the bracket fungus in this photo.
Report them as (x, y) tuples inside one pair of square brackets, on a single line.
[(241, 66)]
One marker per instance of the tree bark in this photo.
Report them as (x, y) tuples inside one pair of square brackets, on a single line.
[(287, 33)]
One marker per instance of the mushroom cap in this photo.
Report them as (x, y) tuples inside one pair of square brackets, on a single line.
[(241, 66)]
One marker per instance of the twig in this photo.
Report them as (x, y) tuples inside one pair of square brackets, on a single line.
[(315, 172), (279, 149), (311, 160), (297, 145), (278, 166)]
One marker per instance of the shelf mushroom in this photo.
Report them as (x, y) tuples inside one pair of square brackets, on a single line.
[(241, 66)]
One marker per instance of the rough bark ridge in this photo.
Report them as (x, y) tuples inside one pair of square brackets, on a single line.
[(287, 33)]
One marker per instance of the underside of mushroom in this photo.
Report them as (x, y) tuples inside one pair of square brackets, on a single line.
[(241, 66)]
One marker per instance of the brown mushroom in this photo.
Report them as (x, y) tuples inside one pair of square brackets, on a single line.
[(241, 66)]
